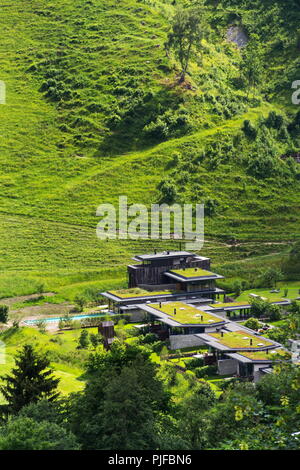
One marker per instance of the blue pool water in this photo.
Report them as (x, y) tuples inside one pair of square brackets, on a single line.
[(56, 319)]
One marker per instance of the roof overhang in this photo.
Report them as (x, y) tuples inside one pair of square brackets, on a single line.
[(152, 298), (180, 278), (164, 255)]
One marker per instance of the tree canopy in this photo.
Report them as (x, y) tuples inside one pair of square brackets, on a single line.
[(186, 35)]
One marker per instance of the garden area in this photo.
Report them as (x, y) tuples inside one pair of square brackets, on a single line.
[(69, 352)]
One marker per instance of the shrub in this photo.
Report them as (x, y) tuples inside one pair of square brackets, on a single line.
[(260, 307), (168, 191), (175, 159), (274, 120), (41, 325), (149, 338), (157, 129), (249, 130), (158, 346), (65, 322), (195, 363), (205, 371), (252, 323), (210, 207), (270, 277), (274, 313), (261, 166), (83, 341), (80, 301)]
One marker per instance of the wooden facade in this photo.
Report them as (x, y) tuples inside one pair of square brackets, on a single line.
[(152, 272), (107, 330)]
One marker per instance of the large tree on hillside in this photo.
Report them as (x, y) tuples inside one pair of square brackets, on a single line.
[(30, 381), (185, 36)]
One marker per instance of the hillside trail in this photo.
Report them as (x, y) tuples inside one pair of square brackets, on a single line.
[(112, 163), (24, 298)]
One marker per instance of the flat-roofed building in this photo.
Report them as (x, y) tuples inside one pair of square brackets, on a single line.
[(242, 352), (152, 267)]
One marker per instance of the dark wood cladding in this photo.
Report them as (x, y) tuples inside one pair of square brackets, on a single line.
[(153, 274), (107, 330)]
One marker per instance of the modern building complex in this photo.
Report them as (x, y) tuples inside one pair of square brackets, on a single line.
[(175, 292)]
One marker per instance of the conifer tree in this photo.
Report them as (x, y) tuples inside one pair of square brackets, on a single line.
[(30, 381), (3, 313)]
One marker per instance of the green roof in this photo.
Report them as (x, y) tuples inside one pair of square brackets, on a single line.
[(264, 356), (240, 339), (192, 272), (137, 292), (186, 314), (229, 304)]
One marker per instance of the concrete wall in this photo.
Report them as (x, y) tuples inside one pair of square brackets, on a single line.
[(185, 341), (257, 374), (227, 366)]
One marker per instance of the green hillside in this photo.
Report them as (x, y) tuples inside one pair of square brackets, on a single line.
[(94, 110)]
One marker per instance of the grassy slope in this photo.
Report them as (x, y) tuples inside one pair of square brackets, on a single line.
[(66, 361), (53, 177)]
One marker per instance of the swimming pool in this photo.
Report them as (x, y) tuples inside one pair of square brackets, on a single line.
[(57, 319)]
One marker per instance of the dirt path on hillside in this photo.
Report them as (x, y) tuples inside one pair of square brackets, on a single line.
[(23, 298), (35, 311), (44, 309)]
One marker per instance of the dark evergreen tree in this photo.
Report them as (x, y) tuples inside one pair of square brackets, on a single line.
[(3, 313), (83, 341), (30, 381)]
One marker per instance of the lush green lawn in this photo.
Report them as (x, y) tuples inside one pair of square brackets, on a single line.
[(66, 360), (292, 287)]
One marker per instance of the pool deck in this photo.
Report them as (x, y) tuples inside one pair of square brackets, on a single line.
[(53, 325)]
